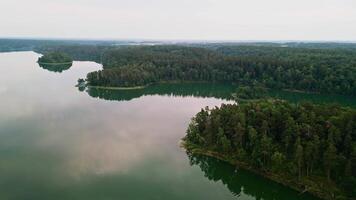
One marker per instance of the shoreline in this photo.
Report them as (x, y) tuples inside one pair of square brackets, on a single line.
[(117, 88), (207, 82), (64, 63), (317, 190), (144, 86), (299, 91), (140, 87)]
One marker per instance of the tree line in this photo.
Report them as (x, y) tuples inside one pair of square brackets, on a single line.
[(313, 70), (312, 145), (55, 57)]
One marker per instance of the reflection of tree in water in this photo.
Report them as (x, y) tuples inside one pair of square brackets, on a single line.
[(81, 89), (180, 89), (55, 67), (222, 91), (242, 182)]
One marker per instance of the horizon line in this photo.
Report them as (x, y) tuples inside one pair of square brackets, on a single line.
[(177, 40)]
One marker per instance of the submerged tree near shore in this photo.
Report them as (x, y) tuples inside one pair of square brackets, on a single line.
[(305, 146)]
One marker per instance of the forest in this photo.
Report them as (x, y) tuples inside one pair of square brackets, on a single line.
[(312, 146), (77, 52), (311, 67), (55, 57), (312, 70), (250, 93), (56, 67)]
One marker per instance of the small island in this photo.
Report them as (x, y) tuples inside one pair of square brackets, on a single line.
[(55, 61), (307, 147)]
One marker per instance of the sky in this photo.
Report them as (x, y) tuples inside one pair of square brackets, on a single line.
[(229, 20)]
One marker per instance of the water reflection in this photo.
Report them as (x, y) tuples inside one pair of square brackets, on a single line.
[(315, 98), (242, 184), (58, 143), (55, 67), (221, 91)]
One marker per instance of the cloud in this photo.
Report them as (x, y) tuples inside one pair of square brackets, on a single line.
[(181, 19), (3, 90)]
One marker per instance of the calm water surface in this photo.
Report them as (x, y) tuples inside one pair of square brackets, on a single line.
[(59, 143)]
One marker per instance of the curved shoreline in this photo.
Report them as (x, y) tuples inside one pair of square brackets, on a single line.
[(316, 190)]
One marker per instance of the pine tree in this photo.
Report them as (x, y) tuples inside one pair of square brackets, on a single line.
[(299, 154), (330, 156)]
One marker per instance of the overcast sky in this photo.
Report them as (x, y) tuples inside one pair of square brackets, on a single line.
[(180, 19)]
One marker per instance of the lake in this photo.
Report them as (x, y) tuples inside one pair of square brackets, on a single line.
[(57, 142)]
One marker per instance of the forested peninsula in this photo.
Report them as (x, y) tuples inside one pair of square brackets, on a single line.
[(55, 58), (309, 147), (309, 67), (312, 70)]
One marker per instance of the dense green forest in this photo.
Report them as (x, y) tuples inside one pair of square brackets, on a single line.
[(56, 67), (77, 52), (313, 70), (250, 93), (311, 146), (55, 57), (313, 67)]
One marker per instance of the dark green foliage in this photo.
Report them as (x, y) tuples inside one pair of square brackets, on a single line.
[(313, 67), (126, 76), (314, 70), (55, 57), (55, 61), (250, 92), (175, 89), (56, 67), (133, 66), (81, 84), (299, 140), (77, 52), (162, 56)]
